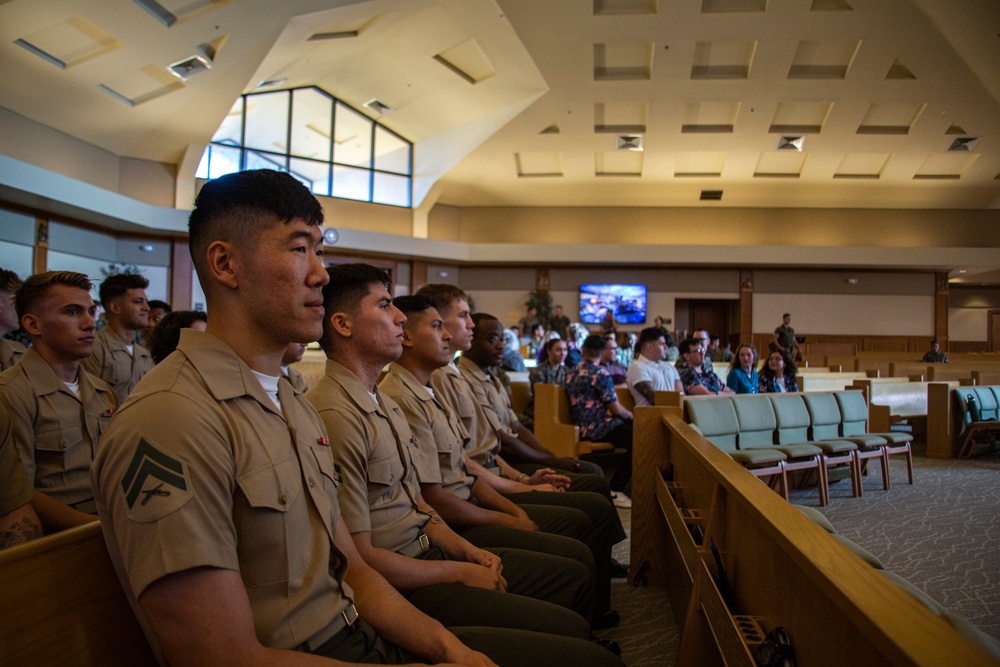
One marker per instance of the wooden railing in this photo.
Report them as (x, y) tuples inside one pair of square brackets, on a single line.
[(784, 570)]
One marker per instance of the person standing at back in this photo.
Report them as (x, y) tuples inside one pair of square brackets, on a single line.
[(117, 358)]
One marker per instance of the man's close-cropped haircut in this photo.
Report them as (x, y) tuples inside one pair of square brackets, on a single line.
[(444, 295), (162, 305), (478, 318), (648, 335), (236, 207), (37, 286), (118, 284), (594, 344), (412, 304), (10, 281)]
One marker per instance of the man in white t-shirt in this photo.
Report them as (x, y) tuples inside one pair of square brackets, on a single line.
[(648, 373)]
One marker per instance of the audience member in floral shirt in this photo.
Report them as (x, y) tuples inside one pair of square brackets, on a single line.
[(697, 379), (594, 407)]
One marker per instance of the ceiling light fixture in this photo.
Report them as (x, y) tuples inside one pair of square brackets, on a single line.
[(790, 143), (963, 144), (185, 69), (379, 107), (628, 142), (146, 247)]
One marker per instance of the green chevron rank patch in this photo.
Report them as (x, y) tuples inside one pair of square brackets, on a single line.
[(155, 483)]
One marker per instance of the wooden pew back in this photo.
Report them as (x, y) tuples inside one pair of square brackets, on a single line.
[(784, 569), (63, 605)]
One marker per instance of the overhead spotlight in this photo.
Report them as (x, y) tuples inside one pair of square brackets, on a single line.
[(146, 247), (185, 69), (379, 107), (628, 142), (963, 144), (790, 143), (851, 281), (330, 236)]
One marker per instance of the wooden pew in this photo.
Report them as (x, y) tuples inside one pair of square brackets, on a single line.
[(63, 605), (809, 381), (520, 394), (784, 569), (554, 427)]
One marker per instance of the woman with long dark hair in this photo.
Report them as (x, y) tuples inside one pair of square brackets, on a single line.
[(777, 374)]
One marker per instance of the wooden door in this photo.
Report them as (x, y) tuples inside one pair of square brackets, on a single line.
[(993, 316)]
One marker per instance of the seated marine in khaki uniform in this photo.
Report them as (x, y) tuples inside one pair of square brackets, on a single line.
[(57, 410), (117, 358)]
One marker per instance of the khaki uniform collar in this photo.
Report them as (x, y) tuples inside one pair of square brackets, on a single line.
[(410, 382), (356, 391), (473, 368), (225, 375), (45, 381)]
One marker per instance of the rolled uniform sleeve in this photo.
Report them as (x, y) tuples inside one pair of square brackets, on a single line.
[(15, 490)]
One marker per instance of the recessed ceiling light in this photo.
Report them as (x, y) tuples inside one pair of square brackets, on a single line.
[(790, 143), (330, 236), (379, 107), (270, 83), (963, 144), (628, 142), (146, 247), (185, 69)]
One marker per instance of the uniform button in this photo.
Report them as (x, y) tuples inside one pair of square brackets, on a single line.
[(284, 499), (312, 482)]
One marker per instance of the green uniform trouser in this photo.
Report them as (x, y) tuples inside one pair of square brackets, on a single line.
[(545, 593), (558, 513), (587, 480), (507, 648)]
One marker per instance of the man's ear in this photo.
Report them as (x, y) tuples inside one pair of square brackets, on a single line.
[(30, 324), (115, 306), (224, 264), (407, 340), (340, 324)]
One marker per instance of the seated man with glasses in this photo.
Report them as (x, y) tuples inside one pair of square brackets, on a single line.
[(703, 338), (698, 380)]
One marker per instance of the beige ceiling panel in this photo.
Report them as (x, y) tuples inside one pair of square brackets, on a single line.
[(723, 59), (721, 6), (823, 60), (70, 42), (862, 165), (945, 166), (899, 71), (615, 7), (800, 117), (615, 117), (710, 117), (780, 165), (890, 118), (142, 85), (468, 60), (538, 163), (623, 62), (699, 163), (618, 163)]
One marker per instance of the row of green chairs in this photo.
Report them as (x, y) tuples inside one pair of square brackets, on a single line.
[(774, 434)]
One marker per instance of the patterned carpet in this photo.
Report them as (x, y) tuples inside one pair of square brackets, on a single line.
[(942, 534)]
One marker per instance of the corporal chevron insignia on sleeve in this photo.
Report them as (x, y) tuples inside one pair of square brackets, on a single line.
[(155, 483)]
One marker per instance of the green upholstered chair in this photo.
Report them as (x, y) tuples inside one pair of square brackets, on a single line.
[(853, 427), (824, 432), (716, 419), (758, 425)]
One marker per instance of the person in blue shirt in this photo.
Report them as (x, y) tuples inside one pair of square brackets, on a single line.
[(743, 377)]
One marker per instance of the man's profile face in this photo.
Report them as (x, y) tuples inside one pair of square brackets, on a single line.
[(281, 276), (487, 343), (8, 314), (132, 309), (62, 323), (657, 350), (155, 315), (610, 350), (695, 356), (379, 324), (458, 322), (428, 339)]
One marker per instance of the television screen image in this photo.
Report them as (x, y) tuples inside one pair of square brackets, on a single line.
[(627, 302)]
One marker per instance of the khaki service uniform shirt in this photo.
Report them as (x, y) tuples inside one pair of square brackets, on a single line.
[(201, 469), (14, 488), (372, 444), (454, 390), (440, 434), (55, 432), (490, 393), (10, 353), (296, 380), (112, 362)]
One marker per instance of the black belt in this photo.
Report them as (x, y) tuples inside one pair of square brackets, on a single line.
[(349, 615)]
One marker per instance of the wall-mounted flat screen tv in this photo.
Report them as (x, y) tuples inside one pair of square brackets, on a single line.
[(627, 302)]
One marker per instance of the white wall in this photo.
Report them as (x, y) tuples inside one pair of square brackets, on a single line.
[(853, 314), (968, 324)]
